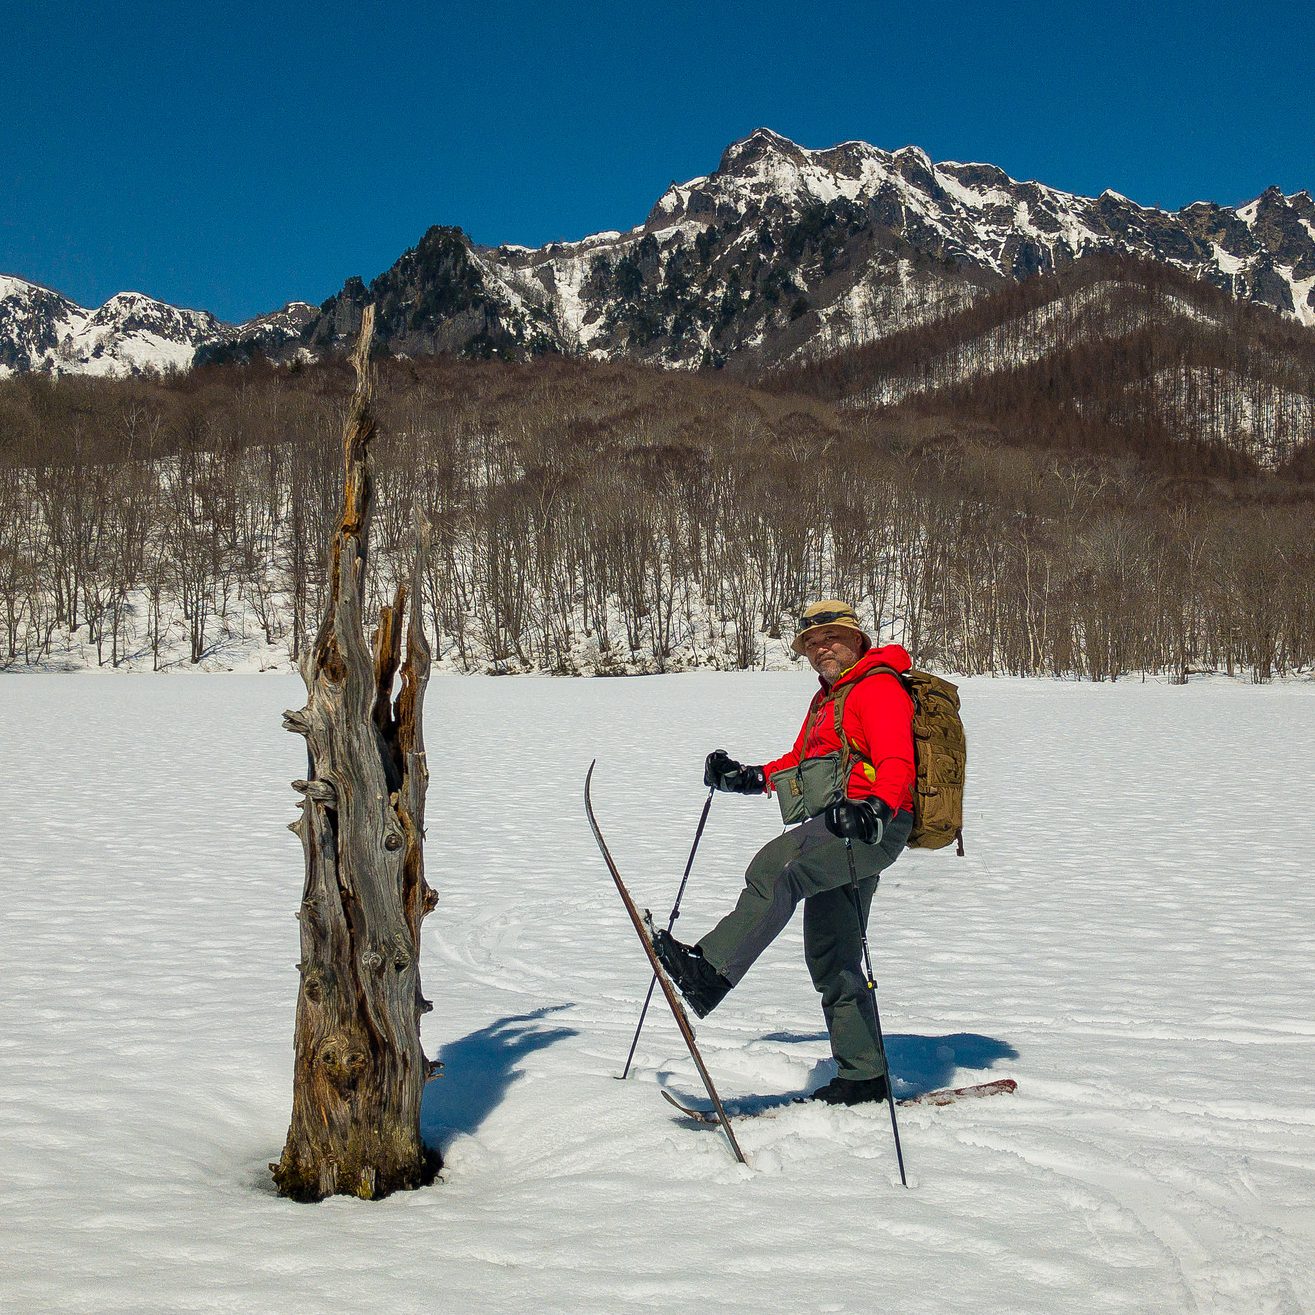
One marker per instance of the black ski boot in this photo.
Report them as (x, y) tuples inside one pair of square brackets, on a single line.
[(703, 987), (851, 1091)]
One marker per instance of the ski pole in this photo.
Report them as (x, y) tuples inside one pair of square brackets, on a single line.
[(671, 922), (876, 1013)]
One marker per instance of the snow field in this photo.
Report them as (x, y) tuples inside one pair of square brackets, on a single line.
[(1130, 936)]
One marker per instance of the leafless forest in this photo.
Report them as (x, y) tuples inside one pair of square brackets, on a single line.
[(1097, 516)]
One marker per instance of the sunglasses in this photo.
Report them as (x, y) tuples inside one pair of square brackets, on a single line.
[(824, 619)]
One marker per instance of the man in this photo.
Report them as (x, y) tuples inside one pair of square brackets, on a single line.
[(848, 778)]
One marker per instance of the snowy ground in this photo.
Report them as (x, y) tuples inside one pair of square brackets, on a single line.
[(1132, 937)]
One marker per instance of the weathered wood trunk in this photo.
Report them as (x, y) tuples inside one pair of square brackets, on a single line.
[(360, 1070)]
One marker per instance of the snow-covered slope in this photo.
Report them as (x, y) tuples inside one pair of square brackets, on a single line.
[(135, 334), (33, 322), (42, 331), (1139, 960)]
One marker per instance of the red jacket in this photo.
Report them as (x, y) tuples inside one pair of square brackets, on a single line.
[(878, 722)]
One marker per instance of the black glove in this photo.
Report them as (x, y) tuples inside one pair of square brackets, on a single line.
[(722, 772), (859, 819)]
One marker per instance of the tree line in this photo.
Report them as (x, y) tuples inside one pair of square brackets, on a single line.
[(1111, 355), (609, 518)]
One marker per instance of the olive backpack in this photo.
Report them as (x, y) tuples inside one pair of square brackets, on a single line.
[(940, 755)]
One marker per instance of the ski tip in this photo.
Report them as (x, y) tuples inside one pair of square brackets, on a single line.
[(705, 1117), (950, 1095)]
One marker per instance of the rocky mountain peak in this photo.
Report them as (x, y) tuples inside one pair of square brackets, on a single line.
[(779, 253), (760, 144), (914, 164)]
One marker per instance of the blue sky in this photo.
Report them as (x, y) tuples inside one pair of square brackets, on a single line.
[(232, 157)]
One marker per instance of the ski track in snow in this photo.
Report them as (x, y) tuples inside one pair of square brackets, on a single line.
[(1130, 936)]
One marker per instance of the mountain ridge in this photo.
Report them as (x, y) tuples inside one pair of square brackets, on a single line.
[(44, 332), (782, 253)]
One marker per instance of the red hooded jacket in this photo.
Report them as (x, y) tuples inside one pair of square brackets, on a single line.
[(878, 722)]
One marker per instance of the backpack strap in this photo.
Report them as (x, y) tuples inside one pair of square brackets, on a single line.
[(814, 708), (849, 752)]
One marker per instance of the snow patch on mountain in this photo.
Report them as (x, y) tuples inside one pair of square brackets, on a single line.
[(42, 331), (1303, 294), (985, 194), (134, 334)]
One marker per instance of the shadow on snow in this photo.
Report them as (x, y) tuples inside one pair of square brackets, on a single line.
[(477, 1070), (924, 1063)]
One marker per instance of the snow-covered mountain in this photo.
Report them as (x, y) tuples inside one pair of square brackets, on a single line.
[(780, 253), (131, 333), (784, 252)]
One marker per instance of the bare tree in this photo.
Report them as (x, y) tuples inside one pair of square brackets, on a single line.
[(360, 1069), (1098, 511)]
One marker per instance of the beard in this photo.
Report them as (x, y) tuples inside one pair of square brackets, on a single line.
[(829, 668)]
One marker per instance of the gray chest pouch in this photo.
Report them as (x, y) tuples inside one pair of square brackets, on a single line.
[(808, 789)]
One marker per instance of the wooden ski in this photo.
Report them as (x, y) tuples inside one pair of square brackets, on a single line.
[(774, 1105), (673, 999)]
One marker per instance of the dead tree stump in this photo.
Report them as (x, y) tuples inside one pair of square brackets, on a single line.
[(360, 1070)]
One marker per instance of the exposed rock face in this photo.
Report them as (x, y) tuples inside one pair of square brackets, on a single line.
[(785, 252), (42, 331), (266, 335), (441, 296), (782, 252), (30, 321), (130, 334)]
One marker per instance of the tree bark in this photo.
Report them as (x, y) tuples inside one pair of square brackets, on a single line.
[(359, 1068)]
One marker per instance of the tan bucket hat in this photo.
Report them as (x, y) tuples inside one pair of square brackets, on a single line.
[(828, 612)]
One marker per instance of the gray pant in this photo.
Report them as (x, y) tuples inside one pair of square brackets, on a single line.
[(808, 863)]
